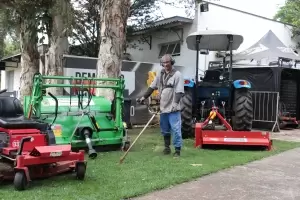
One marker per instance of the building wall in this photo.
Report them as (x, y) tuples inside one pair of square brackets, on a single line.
[(3, 80), (7, 83), (143, 53), (251, 27)]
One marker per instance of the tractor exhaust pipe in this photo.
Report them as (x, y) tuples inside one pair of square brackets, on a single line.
[(92, 153)]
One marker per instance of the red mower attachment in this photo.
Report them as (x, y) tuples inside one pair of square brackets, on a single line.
[(206, 134), (28, 150)]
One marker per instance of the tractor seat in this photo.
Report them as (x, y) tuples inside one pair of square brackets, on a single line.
[(12, 115), (212, 75)]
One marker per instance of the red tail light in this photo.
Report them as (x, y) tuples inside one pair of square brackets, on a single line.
[(243, 82), (186, 81)]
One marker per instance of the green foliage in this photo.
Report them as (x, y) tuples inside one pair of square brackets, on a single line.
[(43, 10), (16, 10), (11, 47), (86, 32), (141, 12), (290, 13), (58, 7), (86, 28), (23, 6), (7, 26)]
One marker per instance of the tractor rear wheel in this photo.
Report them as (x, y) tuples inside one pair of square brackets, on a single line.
[(186, 114), (243, 109)]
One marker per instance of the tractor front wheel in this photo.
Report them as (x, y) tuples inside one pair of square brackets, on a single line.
[(186, 114), (243, 110)]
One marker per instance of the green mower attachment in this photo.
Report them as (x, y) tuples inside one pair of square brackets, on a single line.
[(80, 118)]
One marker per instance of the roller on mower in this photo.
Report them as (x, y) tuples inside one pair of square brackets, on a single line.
[(222, 111), (28, 148)]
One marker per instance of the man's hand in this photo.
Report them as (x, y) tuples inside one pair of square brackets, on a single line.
[(141, 100), (174, 107)]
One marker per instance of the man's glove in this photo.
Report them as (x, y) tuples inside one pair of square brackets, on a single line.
[(141, 100)]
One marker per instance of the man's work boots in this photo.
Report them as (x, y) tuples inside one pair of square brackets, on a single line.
[(177, 152), (167, 140), (167, 149)]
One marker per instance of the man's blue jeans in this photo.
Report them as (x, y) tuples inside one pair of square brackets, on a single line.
[(170, 123)]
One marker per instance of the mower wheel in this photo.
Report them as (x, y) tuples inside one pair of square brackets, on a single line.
[(20, 181), (80, 171), (125, 146), (186, 114), (243, 110)]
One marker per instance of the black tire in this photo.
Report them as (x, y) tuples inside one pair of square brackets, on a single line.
[(20, 181), (80, 171), (125, 146), (186, 114), (243, 109)]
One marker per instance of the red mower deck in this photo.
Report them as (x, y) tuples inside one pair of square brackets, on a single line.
[(28, 150), (34, 159), (229, 136)]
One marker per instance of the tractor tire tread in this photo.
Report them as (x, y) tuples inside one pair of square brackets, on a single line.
[(186, 114), (243, 108)]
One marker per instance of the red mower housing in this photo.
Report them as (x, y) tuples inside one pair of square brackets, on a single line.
[(206, 134), (28, 150)]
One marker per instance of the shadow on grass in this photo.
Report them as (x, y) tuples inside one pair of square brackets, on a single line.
[(43, 181), (235, 147)]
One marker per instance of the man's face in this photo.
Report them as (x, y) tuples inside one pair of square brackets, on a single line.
[(166, 62)]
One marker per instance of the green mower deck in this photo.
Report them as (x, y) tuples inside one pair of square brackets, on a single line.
[(98, 115)]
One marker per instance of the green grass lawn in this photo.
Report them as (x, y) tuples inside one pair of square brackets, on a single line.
[(145, 169)]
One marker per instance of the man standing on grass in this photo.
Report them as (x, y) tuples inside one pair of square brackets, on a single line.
[(170, 85)]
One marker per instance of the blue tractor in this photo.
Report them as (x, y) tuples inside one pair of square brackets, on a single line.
[(216, 88)]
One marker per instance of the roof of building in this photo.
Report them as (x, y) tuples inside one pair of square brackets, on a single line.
[(247, 13), (166, 23), (178, 20), (11, 58), (17, 56), (172, 20)]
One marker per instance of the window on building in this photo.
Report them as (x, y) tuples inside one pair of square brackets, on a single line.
[(170, 48)]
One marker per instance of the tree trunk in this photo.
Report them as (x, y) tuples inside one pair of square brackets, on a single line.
[(58, 43), (29, 52), (2, 32), (113, 15), (2, 36)]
